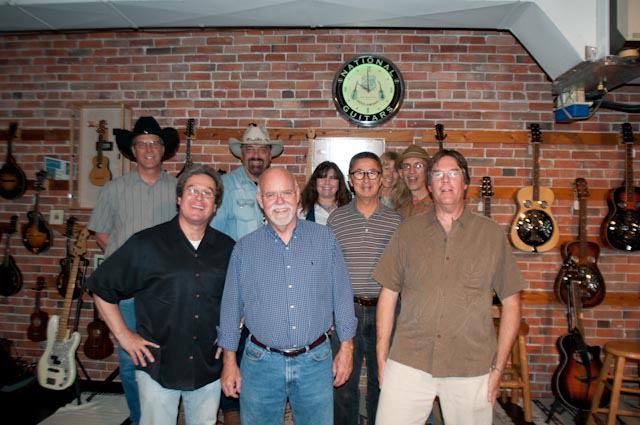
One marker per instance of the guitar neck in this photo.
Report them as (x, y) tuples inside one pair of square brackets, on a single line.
[(486, 206), (628, 177), (188, 151), (536, 172), (68, 298), (582, 226), (13, 127), (5, 261)]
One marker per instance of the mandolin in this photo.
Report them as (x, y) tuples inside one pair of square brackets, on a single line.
[(534, 228), (100, 174), (39, 319), (621, 227), (57, 366), (13, 182), (585, 256), (440, 136), (98, 345), (36, 234), (574, 381), (190, 135), (10, 275), (65, 264)]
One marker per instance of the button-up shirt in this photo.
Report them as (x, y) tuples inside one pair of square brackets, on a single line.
[(177, 292), (239, 213), (287, 293)]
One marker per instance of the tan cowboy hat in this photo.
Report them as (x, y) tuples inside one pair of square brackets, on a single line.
[(255, 135)]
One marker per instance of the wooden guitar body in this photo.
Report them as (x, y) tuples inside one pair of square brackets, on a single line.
[(10, 277), (57, 366), (36, 235), (37, 326), (100, 174), (13, 182), (98, 345), (588, 275), (534, 228), (621, 227)]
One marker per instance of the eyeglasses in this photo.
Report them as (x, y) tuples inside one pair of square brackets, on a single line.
[(272, 196), (194, 191), (359, 174), (155, 145), (416, 166), (439, 175)]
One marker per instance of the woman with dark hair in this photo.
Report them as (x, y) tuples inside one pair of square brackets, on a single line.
[(325, 191)]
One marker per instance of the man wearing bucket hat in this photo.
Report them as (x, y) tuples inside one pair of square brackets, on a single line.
[(140, 199), (413, 196)]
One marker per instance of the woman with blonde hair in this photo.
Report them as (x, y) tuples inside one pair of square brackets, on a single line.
[(389, 177)]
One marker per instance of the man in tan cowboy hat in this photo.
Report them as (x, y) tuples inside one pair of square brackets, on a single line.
[(135, 201), (239, 213)]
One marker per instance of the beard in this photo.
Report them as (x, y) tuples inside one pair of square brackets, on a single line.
[(256, 166), (277, 218)]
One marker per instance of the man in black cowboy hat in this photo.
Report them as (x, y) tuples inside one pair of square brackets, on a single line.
[(135, 201)]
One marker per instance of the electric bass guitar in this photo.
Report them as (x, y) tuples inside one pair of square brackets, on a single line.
[(36, 234), (100, 174), (188, 163), (57, 366), (440, 136), (621, 227), (98, 345), (585, 256), (38, 322), (534, 228), (574, 381), (13, 182), (65, 264), (10, 275)]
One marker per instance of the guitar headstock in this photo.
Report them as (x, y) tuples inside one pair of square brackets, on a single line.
[(71, 222), (40, 283), (13, 130), (41, 176), (440, 136), (189, 131), (80, 246), (535, 133), (13, 223), (627, 133), (487, 190), (102, 129), (581, 188)]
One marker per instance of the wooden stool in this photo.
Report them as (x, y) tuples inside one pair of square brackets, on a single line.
[(516, 375), (616, 354)]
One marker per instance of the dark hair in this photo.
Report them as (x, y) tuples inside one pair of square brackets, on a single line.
[(196, 169), (365, 155), (309, 195), (457, 156)]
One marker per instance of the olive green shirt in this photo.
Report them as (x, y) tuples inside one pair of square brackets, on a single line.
[(445, 325)]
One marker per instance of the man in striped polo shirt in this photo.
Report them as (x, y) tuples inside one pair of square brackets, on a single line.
[(363, 228)]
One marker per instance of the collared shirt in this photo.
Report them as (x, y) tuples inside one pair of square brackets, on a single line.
[(288, 294), (363, 241), (445, 326), (239, 213), (127, 205), (177, 292)]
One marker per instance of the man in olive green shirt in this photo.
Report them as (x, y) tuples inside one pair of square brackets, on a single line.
[(445, 263)]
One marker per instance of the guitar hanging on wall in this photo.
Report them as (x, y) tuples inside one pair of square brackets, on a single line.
[(486, 191), (98, 345), (621, 227), (534, 228), (585, 256), (10, 275), (13, 182), (440, 136), (65, 264), (36, 234), (57, 366), (188, 163), (37, 329), (100, 174)]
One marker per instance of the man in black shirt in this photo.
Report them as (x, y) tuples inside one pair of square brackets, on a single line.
[(176, 272)]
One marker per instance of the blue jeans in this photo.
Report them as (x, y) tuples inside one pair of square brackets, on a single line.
[(346, 403), (269, 379), (160, 405), (127, 368)]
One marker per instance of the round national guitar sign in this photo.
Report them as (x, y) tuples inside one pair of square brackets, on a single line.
[(368, 90)]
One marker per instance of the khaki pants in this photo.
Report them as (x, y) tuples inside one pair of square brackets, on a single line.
[(407, 397)]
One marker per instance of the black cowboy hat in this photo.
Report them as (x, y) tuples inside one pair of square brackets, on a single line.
[(147, 125)]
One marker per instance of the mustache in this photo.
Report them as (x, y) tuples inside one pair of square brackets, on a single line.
[(255, 158)]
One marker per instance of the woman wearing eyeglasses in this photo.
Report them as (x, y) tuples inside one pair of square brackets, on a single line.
[(325, 191), (412, 194)]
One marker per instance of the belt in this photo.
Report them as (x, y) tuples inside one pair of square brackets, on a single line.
[(294, 351), (367, 302)]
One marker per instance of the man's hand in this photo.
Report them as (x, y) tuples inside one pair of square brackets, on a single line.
[(230, 380), (136, 346), (494, 386), (343, 363)]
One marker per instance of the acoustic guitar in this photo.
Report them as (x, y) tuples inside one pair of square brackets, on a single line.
[(37, 237), (10, 275), (65, 264), (57, 366), (585, 256), (440, 136), (188, 163), (38, 322), (574, 381), (100, 174), (98, 345), (13, 182), (486, 190), (621, 227), (534, 228)]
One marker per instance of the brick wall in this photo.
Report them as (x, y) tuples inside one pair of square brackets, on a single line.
[(476, 81)]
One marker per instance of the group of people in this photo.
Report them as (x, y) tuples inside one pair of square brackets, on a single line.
[(257, 293)]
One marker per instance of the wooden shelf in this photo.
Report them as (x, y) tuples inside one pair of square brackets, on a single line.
[(612, 298)]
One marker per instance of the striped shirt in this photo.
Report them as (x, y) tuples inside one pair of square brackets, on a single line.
[(363, 241), (127, 205)]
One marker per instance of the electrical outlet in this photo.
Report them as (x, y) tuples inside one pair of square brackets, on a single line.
[(56, 217)]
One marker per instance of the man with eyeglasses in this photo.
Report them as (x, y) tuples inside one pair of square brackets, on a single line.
[(176, 273), (363, 228), (135, 201), (289, 281), (445, 264), (413, 197)]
